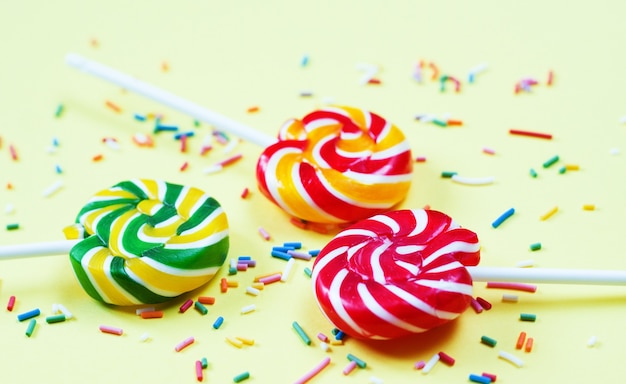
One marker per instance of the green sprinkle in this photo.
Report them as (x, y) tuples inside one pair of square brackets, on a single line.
[(440, 123), (550, 161), (358, 361), (562, 170), (305, 338), (55, 319), (527, 317), (196, 123), (205, 363), (13, 226), (447, 174), (241, 377), (488, 341), (232, 270), (201, 308), (308, 271), (31, 327), (535, 246), (59, 110), (533, 173)]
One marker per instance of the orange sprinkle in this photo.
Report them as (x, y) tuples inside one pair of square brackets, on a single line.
[(223, 285), (454, 122), (165, 66), (9, 186), (206, 300), (151, 314), (529, 344), (374, 81), (435, 70), (94, 43), (97, 157), (520, 340), (113, 106), (253, 109)]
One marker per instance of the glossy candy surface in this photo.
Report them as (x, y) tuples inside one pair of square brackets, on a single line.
[(336, 165), (395, 274), (147, 241)]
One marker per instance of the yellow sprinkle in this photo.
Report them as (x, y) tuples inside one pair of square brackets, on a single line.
[(572, 167), (258, 285), (589, 207), (547, 215), (245, 340), (234, 342), (232, 284), (336, 342)]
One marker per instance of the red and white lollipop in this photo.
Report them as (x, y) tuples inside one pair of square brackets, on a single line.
[(396, 274)]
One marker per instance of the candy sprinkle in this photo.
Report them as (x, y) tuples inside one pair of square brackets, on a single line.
[(496, 223), (111, 330), (539, 135), (313, 372), (184, 344), (31, 327), (11, 303), (305, 338), (511, 359), (28, 315), (52, 189), (549, 214), (479, 379), (515, 286), (241, 377)]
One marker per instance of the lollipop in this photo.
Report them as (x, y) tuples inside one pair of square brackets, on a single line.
[(408, 271), (143, 242), (336, 165), (396, 274)]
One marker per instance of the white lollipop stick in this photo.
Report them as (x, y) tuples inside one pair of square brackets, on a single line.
[(166, 98), (36, 249), (547, 275)]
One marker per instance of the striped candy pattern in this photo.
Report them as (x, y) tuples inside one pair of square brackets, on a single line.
[(396, 274), (147, 241), (336, 165)]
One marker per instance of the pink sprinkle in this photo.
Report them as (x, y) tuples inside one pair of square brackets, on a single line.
[(271, 278), (489, 151), (350, 367), (229, 160), (242, 267), (515, 286), (420, 364), (186, 305), (11, 303), (264, 234), (490, 375), (476, 306), (420, 159), (111, 330), (199, 373), (184, 344), (322, 337), (313, 372), (13, 152)]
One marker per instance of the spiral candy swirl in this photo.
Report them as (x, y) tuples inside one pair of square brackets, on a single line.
[(147, 241), (336, 165), (396, 274)]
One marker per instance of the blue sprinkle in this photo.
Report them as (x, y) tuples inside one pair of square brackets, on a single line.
[(293, 244), (503, 217), (281, 255), (479, 379), (179, 135), (218, 322), (28, 315), (139, 117)]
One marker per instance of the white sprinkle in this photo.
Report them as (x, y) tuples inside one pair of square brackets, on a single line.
[(144, 337), (376, 380), (55, 309), (511, 358), (287, 270), (479, 68), (525, 263), (509, 298), (232, 144), (112, 143), (253, 291), (593, 340), (473, 181), (9, 208), (325, 346), (248, 308), (431, 363), (213, 169), (139, 311), (52, 189), (233, 263), (614, 151), (622, 119), (65, 311)]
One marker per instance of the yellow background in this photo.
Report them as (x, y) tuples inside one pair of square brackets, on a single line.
[(231, 55)]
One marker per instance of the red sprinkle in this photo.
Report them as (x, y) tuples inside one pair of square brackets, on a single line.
[(420, 159), (230, 160), (374, 81), (245, 193), (490, 375), (539, 135), (183, 143), (11, 303), (515, 286), (184, 166), (484, 303), (446, 359)]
